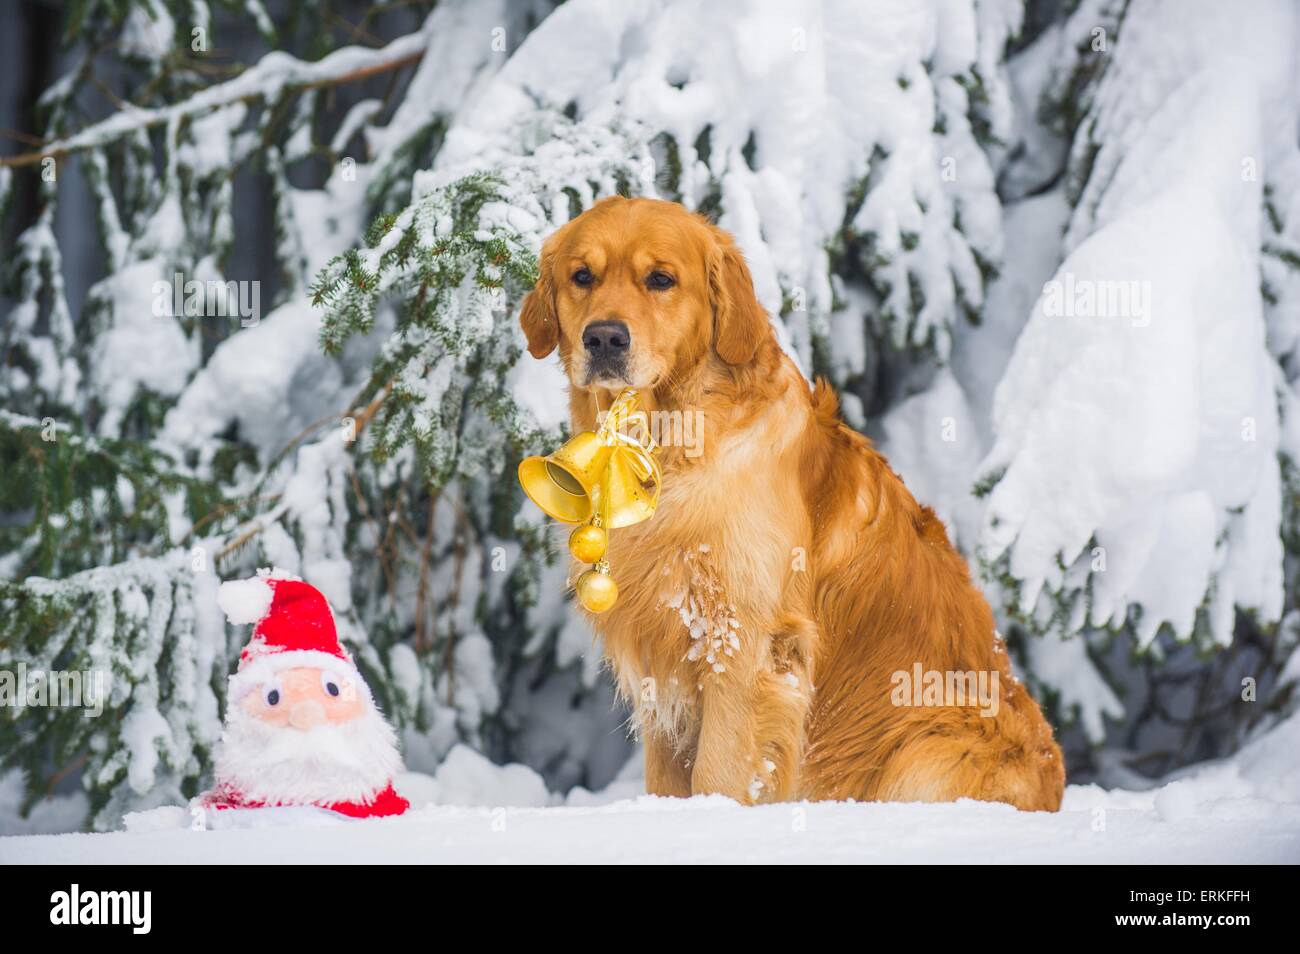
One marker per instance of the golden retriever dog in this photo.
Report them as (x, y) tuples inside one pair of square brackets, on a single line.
[(779, 611)]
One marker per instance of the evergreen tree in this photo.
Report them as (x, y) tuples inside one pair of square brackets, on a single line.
[(297, 342)]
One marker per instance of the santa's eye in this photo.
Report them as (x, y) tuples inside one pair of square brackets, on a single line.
[(331, 683), (271, 694)]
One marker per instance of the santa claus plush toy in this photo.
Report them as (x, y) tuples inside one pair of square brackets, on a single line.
[(303, 740)]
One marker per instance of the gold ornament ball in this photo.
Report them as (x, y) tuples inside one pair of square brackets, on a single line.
[(596, 591), (588, 543)]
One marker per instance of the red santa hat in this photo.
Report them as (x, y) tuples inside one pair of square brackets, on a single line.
[(295, 627)]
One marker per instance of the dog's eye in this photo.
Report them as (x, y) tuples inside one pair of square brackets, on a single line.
[(658, 281), (583, 277)]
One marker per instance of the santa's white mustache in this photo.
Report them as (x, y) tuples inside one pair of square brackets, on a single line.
[(329, 762)]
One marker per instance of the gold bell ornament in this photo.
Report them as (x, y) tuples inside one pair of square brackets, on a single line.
[(601, 480)]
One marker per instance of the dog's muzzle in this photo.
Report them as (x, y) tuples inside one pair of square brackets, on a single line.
[(607, 344)]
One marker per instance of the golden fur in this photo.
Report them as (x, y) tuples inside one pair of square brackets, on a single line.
[(788, 523)]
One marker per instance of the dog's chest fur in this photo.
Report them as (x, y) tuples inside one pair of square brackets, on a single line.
[(691, 584), (675, 625)]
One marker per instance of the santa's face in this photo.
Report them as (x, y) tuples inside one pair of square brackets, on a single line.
[(304, 698), (306, 736)]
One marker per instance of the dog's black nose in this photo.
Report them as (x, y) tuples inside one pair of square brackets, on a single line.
[(606, 339)]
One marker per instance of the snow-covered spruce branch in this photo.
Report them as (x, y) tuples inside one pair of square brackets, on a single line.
[(144, 648), (1142, 443), (868, 160), (459, 259), (83, 500), (450, 275), (275, 74)]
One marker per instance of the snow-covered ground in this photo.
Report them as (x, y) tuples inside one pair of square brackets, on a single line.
[(714, 829), (1246, 809)]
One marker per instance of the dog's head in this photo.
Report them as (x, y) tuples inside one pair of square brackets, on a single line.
[(637, 292)]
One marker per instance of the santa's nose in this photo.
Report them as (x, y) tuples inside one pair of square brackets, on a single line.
[(306, 715)]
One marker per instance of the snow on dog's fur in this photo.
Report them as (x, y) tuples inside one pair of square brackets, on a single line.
[(789, 531)]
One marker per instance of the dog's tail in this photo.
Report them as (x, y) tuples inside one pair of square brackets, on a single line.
[(826, 404)]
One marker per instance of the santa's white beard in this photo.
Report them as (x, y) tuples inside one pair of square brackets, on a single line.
[(351, 762)]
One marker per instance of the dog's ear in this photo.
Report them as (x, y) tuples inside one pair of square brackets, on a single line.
[(538, 316), (739, 322)]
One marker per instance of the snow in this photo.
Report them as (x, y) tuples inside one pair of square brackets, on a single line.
[(931, 439), (447, 72), (816, 87), (1032, 232), (1062, 662), (824, 133), (264, 377), (706, 830), (1245, 809), (1176, 802), (1095, 445), (468, 778), (711, 829), (143, 730), (542, 390), (699, 600), (37, 260), (267, 78), (142, 349), (148, 32), (313, 499), (158, 718)]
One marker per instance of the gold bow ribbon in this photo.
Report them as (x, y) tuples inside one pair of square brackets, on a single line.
[(603, 480), (622, 502)]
